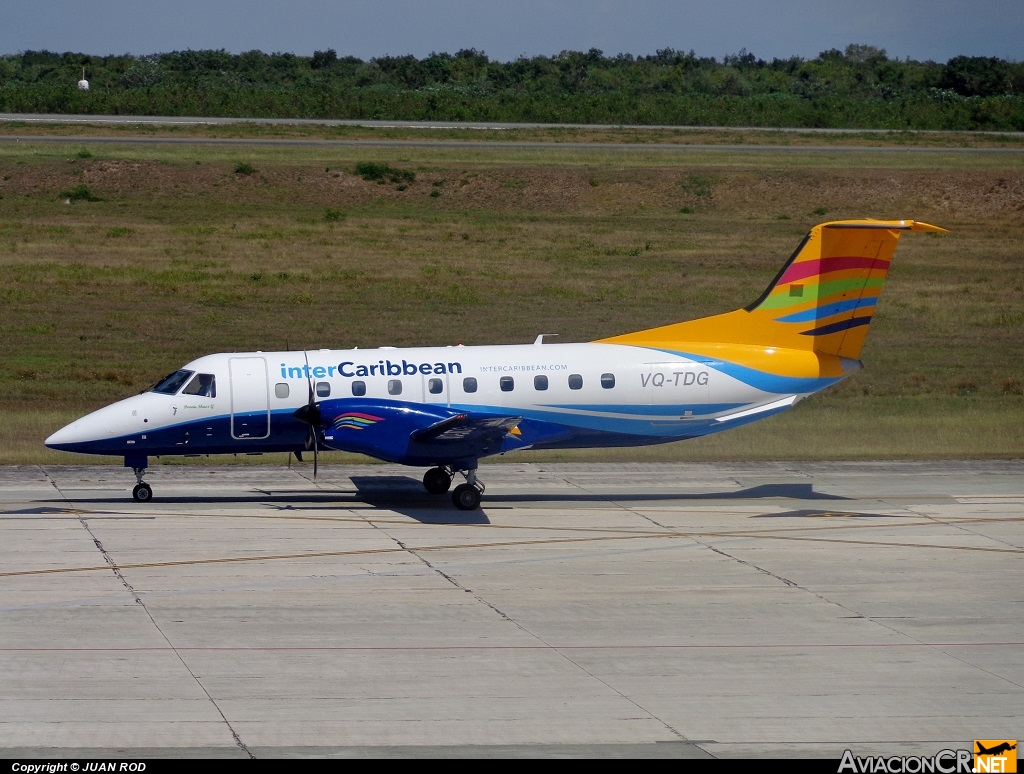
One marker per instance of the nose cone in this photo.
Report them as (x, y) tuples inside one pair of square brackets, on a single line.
[(73, 436), (62, 438), (100, 432), (77, 436)]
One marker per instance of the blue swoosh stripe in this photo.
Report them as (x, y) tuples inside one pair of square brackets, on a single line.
[(829, 310), (646, 427), (653, 411), (780, 385)]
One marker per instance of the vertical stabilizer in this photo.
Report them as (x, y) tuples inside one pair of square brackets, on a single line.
[(822, 300)]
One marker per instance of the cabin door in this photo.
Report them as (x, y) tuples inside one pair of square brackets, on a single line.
[(250, 398)]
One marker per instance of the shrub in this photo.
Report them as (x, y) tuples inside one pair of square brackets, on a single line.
[(80, 192), (382, 173), (1013, 387)]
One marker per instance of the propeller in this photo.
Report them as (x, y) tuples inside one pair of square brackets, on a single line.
[(310, 414)]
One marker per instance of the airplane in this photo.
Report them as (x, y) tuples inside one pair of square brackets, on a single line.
[(445, 408), (999, 748)]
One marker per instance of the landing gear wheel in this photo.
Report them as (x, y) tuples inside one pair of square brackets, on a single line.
[(437, 480), (466, 497), (142, 493)]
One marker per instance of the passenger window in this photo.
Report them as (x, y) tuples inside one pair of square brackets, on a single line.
[(469, 384), (394, 386), (575, 382), (607, 381), (281, 390), (202, 385), (435, 386), (323, 389), (507, 384), (358, 388), (540, 382)]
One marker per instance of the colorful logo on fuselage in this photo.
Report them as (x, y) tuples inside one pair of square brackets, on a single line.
[(355, 421)]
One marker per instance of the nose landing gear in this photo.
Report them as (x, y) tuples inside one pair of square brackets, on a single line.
[(143, 492)]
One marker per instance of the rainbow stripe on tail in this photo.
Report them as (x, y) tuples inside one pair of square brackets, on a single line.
[(821, 301), (828, 291)]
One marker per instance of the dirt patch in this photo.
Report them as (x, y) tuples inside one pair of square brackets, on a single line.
[(986, 195)]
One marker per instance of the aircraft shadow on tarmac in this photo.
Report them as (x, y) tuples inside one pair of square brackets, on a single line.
[(405, 495)]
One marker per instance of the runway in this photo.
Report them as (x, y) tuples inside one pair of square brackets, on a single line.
[(587, 610), (470, 128)]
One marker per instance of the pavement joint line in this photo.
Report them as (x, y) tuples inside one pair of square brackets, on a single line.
[(118, 573), (922, 643), (771, 535), (880, 621), (619, 646), (504, 616), (961, 526)]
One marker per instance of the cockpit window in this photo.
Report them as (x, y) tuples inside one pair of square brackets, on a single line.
[(171, 383), (203, 385)]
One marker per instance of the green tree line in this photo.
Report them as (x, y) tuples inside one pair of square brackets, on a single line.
[(859, 87)]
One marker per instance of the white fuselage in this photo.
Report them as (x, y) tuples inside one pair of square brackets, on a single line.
[(568, 395)]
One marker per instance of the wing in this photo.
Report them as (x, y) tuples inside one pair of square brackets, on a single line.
[(414, 433)]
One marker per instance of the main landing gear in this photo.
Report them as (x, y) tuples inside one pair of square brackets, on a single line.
[(466, 497), (437, 480)]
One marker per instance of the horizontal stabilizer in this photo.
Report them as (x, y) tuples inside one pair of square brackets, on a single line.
[(759, 411)]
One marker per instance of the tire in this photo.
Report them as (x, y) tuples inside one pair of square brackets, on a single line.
[(142, 493), (466, 497), (437, 481)]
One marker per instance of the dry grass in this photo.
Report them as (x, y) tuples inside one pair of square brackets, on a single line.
[(184, 255)]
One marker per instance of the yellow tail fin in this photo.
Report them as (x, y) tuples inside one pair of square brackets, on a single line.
[(822, 300)]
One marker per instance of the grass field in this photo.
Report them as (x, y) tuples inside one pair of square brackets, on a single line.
[(123, 261)]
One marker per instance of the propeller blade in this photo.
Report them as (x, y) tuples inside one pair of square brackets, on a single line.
[(316, 451), (313, 414)]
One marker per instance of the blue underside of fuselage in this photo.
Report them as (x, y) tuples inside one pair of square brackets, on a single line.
[(286, 434), (210, 435)]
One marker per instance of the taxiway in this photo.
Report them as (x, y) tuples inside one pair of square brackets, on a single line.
[(647, 610)]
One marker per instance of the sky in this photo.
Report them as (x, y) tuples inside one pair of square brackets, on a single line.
[(505, 30)]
